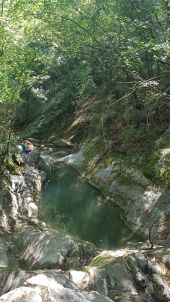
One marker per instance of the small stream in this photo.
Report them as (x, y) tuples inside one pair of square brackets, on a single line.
[(71, 204)]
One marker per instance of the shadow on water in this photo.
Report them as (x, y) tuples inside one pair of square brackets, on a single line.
[(73, 205)]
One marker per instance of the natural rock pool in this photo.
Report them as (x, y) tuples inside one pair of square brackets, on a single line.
[(71, 204)]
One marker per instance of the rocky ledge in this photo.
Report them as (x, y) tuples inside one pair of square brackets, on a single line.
[(40, 264)]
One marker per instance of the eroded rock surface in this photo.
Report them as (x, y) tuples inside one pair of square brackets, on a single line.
[(52, 287), (50, 249), (43, 288), (132, 277), (142, 203), (40, 264), (19, 199)]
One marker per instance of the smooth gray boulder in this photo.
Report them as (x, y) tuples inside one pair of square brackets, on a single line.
[(42, 288), (109, 275), (52, 249)]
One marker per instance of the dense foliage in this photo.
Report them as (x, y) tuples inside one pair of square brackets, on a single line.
[(111, 57)]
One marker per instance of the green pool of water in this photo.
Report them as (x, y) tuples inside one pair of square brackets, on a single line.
[(73, 205)]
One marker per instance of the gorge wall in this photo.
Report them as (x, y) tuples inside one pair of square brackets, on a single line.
[(41, 264)]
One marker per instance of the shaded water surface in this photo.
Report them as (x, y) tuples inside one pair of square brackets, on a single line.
[(73, 205)]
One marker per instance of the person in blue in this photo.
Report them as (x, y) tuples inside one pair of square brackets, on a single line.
[(26, 147)]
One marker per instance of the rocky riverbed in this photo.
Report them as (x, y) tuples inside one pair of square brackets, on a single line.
[(41, 264)]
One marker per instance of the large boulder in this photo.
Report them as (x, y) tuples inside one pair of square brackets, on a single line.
[(125, 275), (14, 279), (51, 249), (75, 159), (42, 287), (109, 275)]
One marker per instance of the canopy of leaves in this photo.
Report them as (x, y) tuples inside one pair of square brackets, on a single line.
[(68, 51)]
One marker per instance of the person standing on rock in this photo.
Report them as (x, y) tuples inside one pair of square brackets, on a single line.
[(25, 148)]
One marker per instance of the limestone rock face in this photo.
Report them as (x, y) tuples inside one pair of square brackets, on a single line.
[(75, 159), (127, 278), (17, 279), (51, 249), (142, 203), (161, 291), (42, 288), (3, 254), (19, 199)]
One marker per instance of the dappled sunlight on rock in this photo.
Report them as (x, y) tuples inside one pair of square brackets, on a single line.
[(43, 288), (62, 268), (81, 279)]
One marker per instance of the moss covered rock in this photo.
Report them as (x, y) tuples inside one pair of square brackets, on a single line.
[(11, 166)]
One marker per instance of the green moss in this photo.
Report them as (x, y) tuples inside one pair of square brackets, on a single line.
[(157, 171), (11, 166), (165, 177), (107, 161), (101, 261), (150, 168), (164, 140)]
